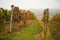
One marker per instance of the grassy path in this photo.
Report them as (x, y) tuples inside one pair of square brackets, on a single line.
[(28, 33)]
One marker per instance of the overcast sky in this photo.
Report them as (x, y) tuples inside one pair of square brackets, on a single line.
[(31, 4)]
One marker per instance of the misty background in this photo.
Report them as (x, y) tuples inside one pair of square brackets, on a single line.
[(39, 12)]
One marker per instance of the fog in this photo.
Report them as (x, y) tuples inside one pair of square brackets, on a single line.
[(39, 12)]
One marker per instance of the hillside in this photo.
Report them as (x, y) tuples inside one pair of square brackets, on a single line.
[(26, 26)]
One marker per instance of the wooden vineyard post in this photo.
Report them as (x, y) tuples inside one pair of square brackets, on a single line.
[(12, 6), (46, 16)]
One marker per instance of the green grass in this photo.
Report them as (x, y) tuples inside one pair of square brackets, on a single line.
[(28, 32)]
